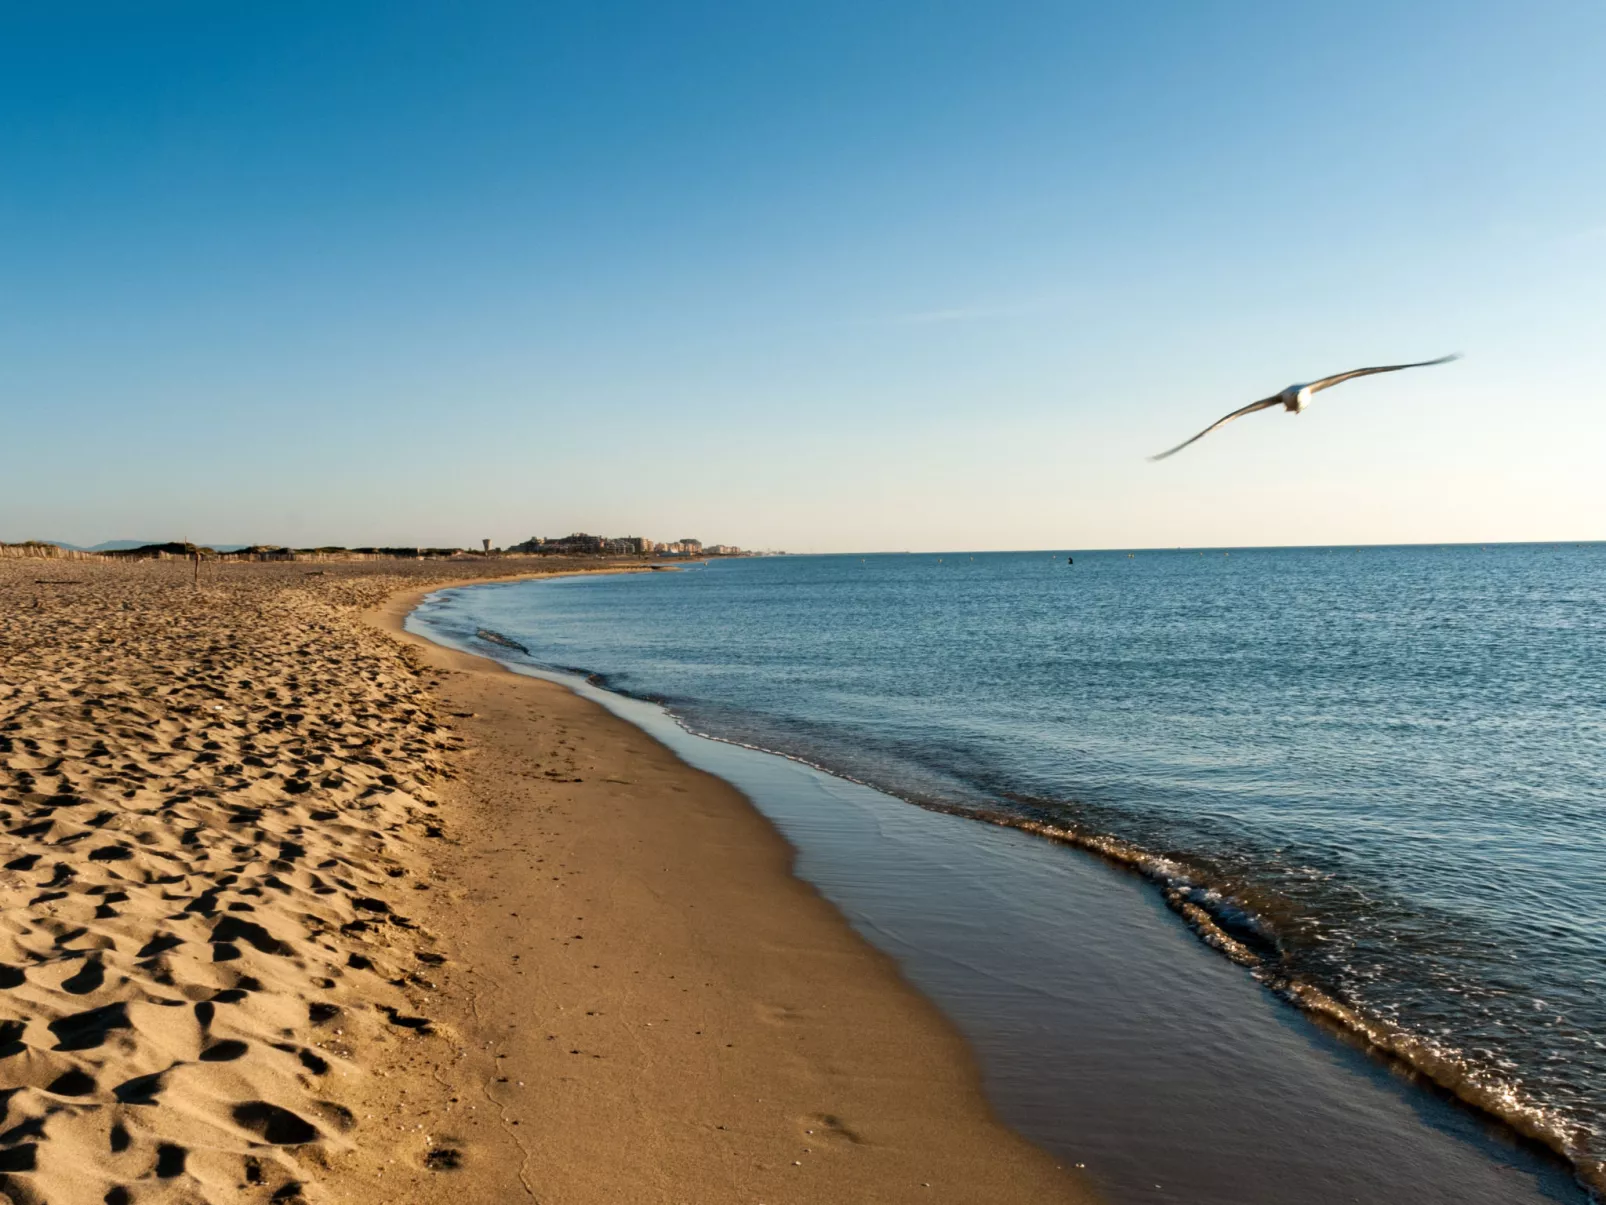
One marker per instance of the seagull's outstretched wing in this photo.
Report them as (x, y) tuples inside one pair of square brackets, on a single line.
[(1338, 378), (1222, 422)]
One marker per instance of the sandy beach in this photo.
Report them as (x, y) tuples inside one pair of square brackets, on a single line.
[(299, 907)]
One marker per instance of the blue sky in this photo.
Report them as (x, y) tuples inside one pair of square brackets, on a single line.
[(825, 276)]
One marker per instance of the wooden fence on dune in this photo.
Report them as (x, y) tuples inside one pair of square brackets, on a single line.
[(52, 552)]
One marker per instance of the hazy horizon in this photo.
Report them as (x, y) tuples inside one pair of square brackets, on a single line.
[(849, 277), (469, 546)]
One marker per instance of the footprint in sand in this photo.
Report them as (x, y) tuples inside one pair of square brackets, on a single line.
[(210, 799), (827, 1127)]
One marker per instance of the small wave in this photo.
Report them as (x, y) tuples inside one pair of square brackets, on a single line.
[(491, 637), (1202, 907), (1235, 932)]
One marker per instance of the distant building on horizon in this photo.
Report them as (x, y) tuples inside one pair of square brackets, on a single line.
[(578, 542), (582, 544)]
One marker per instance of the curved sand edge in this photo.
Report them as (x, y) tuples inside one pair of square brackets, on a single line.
[(257, 939), (658, 1008)]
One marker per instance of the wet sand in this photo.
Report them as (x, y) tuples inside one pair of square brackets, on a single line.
[(663, 1012), (294, 910)]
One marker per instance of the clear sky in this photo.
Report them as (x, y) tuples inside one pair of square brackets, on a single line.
[(835, 275)]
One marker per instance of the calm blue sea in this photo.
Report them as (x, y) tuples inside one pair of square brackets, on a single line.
[(1376, 776)]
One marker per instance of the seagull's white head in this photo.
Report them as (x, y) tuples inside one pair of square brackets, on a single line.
[(1295, 398)]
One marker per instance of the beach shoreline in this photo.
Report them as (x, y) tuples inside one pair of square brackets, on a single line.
[(754, 1045), (299, 909), (1125, 1042)]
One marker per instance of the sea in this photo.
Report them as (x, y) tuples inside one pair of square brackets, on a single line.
[(1371, 781)]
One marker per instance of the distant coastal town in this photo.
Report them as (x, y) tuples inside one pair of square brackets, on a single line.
[(577, 544), (581, 544)]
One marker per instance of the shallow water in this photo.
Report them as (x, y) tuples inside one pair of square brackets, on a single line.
[(1376, 771)]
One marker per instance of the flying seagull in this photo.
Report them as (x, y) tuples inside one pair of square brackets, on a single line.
[(1296, 397)]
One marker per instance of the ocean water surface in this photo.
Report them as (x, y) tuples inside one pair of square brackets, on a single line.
[(1375, 778)]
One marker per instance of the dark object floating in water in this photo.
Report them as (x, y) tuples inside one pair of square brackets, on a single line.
[(497, 638)]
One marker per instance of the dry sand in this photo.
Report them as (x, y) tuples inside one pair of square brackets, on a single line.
[(298, 910)]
